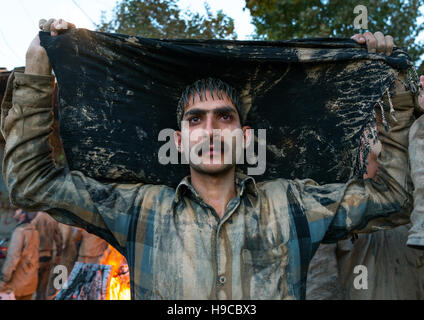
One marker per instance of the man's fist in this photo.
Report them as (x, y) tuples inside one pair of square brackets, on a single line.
[(55, 26), (376, 43), (37, 61)]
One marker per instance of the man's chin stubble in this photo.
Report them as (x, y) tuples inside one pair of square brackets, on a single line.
[(212, 172)]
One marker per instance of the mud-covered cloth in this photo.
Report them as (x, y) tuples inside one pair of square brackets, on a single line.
[(50, 235), (376, 266), (416, 152), (314, 97), (394, 271), (50, 238), (323, 281), (20, 270), (71, 237), (175, 244), (92, 248)]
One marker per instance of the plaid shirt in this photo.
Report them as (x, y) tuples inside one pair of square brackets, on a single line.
[(175, 243)]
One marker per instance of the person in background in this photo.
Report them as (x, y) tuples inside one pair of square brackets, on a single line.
[(71, 237), (92, 248), (393, 270), (48, 230), (19, 272)]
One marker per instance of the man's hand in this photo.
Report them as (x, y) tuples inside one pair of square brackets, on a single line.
[(37, 61), (376, 43)]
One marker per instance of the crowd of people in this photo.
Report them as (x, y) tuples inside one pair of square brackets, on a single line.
[(37, 245)]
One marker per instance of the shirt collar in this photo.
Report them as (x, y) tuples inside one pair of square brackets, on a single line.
[(244, 183)]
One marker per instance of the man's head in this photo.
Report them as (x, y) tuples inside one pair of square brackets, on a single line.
[(24, 216), (210, 110), (217, 89)]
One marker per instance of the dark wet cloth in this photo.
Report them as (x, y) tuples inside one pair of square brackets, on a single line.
[(314, 97)]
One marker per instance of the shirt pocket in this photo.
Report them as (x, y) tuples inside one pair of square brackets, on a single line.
[(259, 259)]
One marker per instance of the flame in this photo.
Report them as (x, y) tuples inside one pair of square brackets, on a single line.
[(119, 285)]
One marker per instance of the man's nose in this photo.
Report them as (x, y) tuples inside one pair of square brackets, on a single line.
[(210, 126)]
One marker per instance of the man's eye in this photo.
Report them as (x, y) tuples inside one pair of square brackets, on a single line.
[(194, 119), (226, 116)]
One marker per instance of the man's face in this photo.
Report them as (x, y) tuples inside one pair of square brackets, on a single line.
[(210, 124), (19, 215)]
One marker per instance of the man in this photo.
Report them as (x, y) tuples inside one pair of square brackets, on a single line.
[(48, 230), (71, 237), (375, 266), (92, 248), (19, 272), (393, 271), (219, 234)]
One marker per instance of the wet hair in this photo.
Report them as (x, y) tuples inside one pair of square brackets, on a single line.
[(216, 87)]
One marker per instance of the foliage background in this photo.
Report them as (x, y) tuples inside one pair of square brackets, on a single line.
[(273, 20)]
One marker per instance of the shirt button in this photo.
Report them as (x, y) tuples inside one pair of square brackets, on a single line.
[(222, 279)]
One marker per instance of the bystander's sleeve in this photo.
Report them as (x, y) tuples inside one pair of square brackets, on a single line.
[(14, 250), (416, 154)]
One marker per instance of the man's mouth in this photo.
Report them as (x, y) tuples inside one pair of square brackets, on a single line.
[(213, 149)]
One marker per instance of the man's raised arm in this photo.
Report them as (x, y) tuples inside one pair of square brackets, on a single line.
[(33, 180), (386, 200), (335, 211)]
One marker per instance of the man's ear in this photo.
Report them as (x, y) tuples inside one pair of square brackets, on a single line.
[(178, 141), (247, 136)]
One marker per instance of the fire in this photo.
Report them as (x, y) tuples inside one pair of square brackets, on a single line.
[(119, 285)]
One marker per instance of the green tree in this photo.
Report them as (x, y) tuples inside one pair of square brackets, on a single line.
[(287, 19), (164, 19)]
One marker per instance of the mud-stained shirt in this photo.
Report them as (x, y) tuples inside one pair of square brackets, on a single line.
[(176, 245)]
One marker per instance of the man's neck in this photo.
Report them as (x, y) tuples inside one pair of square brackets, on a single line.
[(215, 190)]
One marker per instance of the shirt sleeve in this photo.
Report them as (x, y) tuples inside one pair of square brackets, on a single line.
[(13, 255), (335, 211), (34, 181), (416, 154)]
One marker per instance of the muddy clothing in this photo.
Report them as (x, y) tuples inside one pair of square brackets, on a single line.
[(92, 248), (176, 245), (323, 281), (50, 236), (44, 270), (19, 272), (393, 271), (71, 237), (416, 154), (49, 232)]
